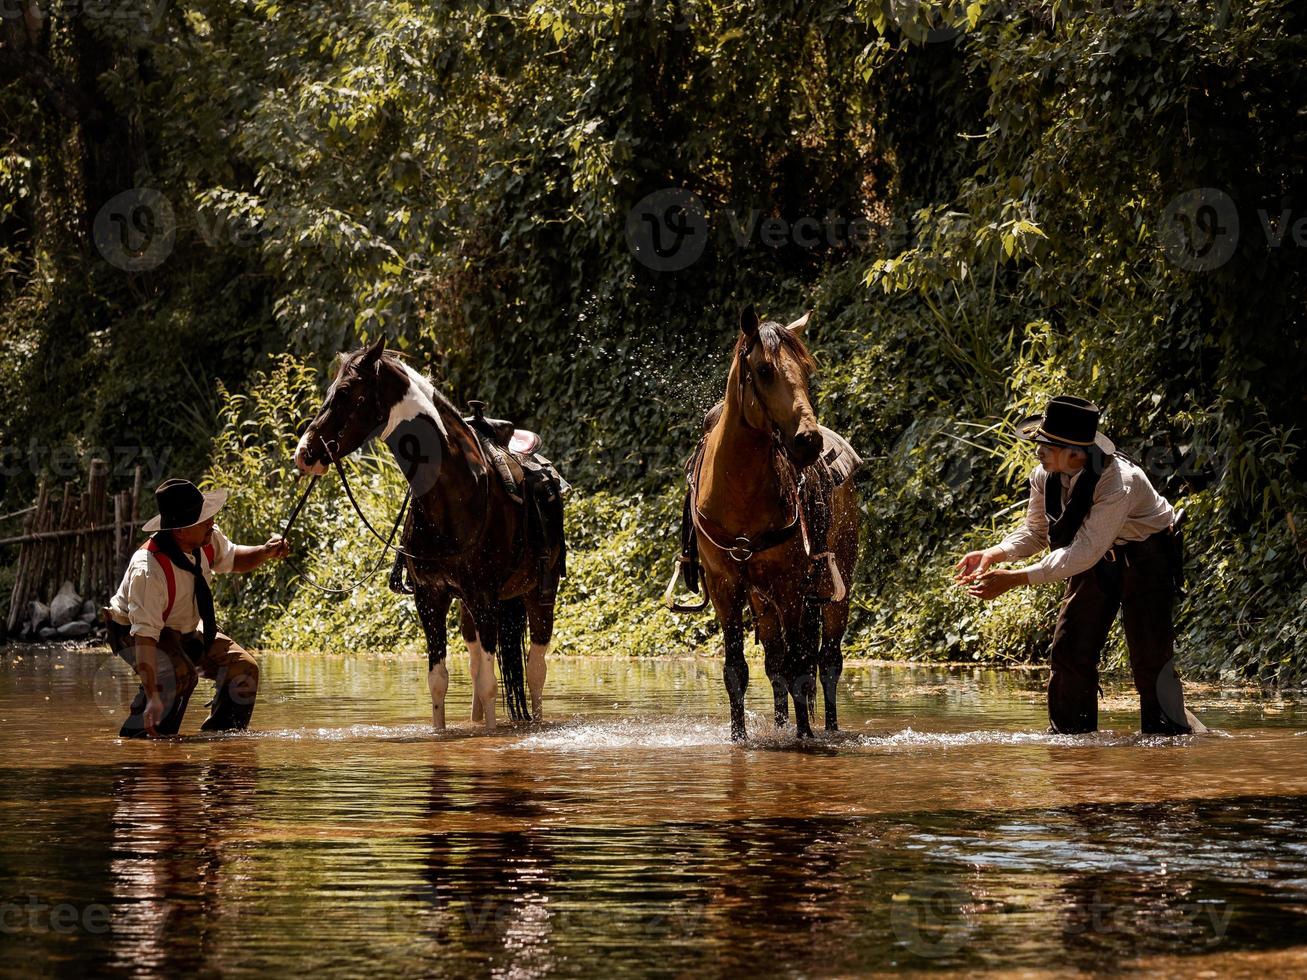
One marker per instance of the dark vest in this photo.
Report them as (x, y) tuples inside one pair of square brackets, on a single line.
[(1064, 520)]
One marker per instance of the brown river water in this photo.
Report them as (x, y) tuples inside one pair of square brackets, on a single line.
[(940, 832)]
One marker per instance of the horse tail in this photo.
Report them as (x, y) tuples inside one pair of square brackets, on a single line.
[(512, 656)]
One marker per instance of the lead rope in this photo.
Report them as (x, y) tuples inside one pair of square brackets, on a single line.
[(308, 580)]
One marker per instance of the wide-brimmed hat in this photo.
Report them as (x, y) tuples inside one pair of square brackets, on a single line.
[(1068, 421), (182, 504)]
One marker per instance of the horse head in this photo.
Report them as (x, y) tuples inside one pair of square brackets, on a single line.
[(773, 369), (359, 405)]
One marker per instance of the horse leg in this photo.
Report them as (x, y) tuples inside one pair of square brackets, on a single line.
[(486, 687), (803, 688), (830, 662), (468, 628), (540, 619), (835, 615), (773, 646), (801, 663), (728, 601), (433, 605), (780, 696)]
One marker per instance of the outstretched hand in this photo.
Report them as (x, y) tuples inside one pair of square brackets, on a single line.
[(994, 583), (277, 546), (974, 564)]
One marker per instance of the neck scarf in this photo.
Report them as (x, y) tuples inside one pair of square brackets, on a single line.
[(203, 595)]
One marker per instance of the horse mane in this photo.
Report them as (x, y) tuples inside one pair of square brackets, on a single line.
[(773, 338), (438, 397)]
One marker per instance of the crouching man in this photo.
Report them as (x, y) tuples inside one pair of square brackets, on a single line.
[(161, 620), (1112, 538)]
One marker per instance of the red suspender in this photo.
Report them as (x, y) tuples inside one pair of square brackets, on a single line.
[(168, 574)]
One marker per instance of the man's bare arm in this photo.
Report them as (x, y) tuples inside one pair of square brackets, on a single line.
[(147, 669), (246, 558)]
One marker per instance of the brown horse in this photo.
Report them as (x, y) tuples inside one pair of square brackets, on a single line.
[(753, 529), (465, 535)]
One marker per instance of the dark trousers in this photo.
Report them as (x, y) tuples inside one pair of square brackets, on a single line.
[(1137, 580), (180, 660)]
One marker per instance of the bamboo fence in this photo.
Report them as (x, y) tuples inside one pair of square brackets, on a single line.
[(85, 537)]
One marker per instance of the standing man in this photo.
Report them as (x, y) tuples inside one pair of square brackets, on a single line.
[(162, 623), (1112, 537)]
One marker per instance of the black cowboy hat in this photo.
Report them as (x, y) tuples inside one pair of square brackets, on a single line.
[(1068, 421), (182, 504)]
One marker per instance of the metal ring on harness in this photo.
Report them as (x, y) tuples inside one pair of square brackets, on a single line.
[(741, 550)]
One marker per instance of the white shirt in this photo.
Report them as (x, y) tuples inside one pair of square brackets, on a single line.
[(143, 594), (1126, 508)]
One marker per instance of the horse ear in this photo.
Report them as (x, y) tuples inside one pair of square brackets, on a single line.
[(373, 353), (797, 326), (749, 321)]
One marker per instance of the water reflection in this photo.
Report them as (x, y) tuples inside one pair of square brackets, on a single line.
[(942, 831), (173, 874)]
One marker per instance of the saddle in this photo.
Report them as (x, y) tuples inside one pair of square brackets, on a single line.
[(502, 432), (530, 480)]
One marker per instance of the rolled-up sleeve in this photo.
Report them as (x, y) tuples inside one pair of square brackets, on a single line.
[(146, 600), (1032, 536), (224, 553)]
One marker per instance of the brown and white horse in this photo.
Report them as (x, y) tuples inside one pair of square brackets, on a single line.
[(464, 534), (749, 524)]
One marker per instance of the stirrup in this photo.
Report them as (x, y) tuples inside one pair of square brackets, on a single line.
[(669, 596), (838, 589)]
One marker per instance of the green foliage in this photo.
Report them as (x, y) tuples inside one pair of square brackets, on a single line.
[(460, 177), (618, 565)]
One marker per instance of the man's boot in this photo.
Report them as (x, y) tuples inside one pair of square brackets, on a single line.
[(233, 705), (227, 715)]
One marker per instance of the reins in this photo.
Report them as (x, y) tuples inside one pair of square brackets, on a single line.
[(299, 570), (387, 544)]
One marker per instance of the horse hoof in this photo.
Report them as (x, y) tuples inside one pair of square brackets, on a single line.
[(832, 726), (737, 733)]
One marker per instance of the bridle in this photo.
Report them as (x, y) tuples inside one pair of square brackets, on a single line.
[(744, 376), (743, 548), (334, 456)]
